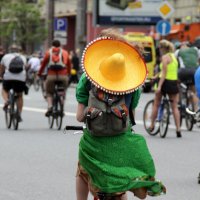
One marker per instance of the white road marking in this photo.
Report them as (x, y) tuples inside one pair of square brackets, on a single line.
[(70, 114), (40, 110)]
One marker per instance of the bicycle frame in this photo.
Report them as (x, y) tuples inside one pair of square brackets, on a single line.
[(12, 112), (58, 106)]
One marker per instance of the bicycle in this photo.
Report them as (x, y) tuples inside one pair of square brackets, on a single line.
[(162, 121), (12, 111), (163, 118), (58, 106), (186, 102), (34, 80), (100, 195)]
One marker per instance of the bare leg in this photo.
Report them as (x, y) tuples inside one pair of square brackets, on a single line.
[(81, 189), (155, 108), (175, 110), (141, 193), (49, 101), (20, 102), (4, 95), (123, 197), (195, 99)]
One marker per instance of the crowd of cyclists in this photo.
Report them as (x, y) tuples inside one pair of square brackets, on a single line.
[(178, 62), (56, 65)]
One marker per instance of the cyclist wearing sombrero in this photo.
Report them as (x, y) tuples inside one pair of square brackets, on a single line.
[(109, 162)]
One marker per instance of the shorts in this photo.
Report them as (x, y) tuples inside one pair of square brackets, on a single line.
[(170, 87), (186, 75), (50, 82), (17, 86)]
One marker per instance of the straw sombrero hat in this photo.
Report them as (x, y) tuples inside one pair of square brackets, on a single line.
[(113, 66)]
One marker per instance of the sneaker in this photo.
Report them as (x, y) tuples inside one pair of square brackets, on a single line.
[(49, 112), (19, 118), (178, 134)]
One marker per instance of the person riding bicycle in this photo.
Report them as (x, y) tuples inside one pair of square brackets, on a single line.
[(12, 69), (33, 66), (119, 161), (167, 84), (58, 63), (188, 57)]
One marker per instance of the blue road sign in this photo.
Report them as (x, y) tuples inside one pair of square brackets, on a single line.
[(60, 24), (163, 27)]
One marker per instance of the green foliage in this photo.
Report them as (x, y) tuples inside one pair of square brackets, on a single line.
[(21, 22)]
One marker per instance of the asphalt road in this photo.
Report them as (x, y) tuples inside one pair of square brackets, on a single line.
[(37, 163)]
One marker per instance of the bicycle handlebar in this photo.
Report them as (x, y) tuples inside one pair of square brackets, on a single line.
[(78, 128)]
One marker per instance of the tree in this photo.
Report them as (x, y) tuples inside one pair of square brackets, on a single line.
[(21, 23)]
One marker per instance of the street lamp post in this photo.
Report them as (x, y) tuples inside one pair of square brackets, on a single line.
[(50, 22)]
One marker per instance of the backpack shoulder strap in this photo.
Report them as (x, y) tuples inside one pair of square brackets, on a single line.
[(131, 116)]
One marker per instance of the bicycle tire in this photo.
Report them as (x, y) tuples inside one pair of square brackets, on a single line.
[(189, 119), (164, 121), (59, 113), (15, 114), (147, 119), (51, 121), (8, 117), (197, 119)]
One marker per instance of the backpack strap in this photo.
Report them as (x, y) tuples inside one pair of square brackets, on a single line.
[(131, 116), (123, 113)]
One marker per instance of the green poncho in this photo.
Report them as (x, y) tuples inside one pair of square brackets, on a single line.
[(118, 163)]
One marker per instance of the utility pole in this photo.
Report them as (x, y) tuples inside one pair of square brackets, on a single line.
[(80, 39), (50, 22)]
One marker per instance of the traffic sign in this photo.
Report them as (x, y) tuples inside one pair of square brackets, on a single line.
[(163, 27), (165, 9), (60, 24)]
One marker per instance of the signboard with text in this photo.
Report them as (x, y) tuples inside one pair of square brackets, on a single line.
[(60, 30), (124, 12)]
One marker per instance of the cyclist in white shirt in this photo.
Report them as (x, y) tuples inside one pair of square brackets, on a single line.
[(13, 80)]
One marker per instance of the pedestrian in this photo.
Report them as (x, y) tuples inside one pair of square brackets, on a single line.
[(75, 67), (13, 71), (167, 84), (112, 159), (58, 65)]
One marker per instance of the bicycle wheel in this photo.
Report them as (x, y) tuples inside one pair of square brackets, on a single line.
[(36, 83), (59, 114), (197, 119), (8, 117), (189, 119), (15, 114), (164, 121), (51, 120), (147, 119)]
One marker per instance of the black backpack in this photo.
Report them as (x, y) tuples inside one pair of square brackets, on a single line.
[(16, 65)]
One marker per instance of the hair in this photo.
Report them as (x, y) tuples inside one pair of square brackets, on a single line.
[(14, 48), (115, 34), (56, 43), (166, 45)]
